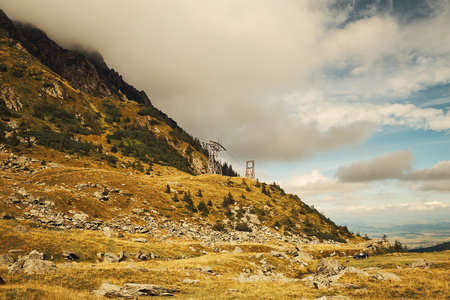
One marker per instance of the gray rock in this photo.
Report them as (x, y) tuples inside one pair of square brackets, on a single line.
[(110, 258), (6, 260), (35, 255), (422, 264), (190, 281), (206, 269), (108, 232), (122, 256), (385, 276), (132, 290), (328, 267), (304, 256), (238, 250), (108, 290), (140, 240), (38, 266), (136, 289), (141, 269)]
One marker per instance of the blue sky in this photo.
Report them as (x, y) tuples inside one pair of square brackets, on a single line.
[(344, 103)]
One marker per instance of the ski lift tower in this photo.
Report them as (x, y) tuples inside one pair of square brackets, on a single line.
[(250, 169), (215, 149)]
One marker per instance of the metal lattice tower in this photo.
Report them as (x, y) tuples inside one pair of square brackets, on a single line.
[(250, 169), (215, 149)]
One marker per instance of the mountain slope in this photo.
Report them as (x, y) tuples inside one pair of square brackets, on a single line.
[(86, 149)]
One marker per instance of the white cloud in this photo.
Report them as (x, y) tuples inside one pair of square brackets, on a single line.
[(424, 206), (316, 183), (369, 209)]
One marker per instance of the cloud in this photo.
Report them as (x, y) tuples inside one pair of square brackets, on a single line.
[(315, 183), (424, 206), (387, 166), (226, 69), (369, 209), (438, 172)]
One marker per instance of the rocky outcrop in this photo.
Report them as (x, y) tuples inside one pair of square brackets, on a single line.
[(32, 263), (131, 290), (10, 97), (328, 271)]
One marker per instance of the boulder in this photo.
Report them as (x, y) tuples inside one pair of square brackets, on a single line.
[(38, 266), (422, 264), (238, 250), (140, 240), (385, 276), (68, 255), (6, 216), (21, 228), (6, 260), (108, 290), (190, 281), (328, 267), (304, 256), (108, 232), (110, 258), (122, 256)]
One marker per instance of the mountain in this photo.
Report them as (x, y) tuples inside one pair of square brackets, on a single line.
[(440, 247), (78, 137)]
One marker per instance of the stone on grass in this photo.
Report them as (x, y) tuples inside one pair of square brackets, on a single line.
[(6, 260), (68, 255), (385, 276), (21, 228), (422, 264)]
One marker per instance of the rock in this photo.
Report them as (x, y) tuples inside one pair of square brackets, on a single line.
[(132, 290), (80, 217), (238, 250), (21, 228), (328, 267), (141, 269), (136, 289), (6, 216), (356, 271), (38, 266), (69, 255), (110, 258), (304, 256), (122, 256), (10, 97), (6, 260), (108, 290), (206, 269), (254, 219), (108, 232), (190, 281), (140, 240), (385, 276), (35, 255), (422, 264)]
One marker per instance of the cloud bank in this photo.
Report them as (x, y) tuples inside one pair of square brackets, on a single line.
[(245, 71)]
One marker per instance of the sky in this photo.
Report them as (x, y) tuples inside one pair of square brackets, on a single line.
[(344, 103)]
